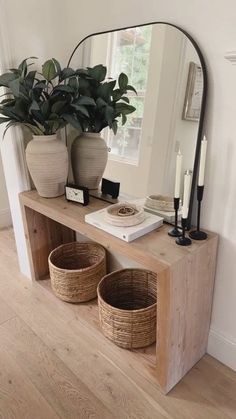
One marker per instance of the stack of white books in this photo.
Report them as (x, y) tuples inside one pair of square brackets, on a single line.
[(128, 234)]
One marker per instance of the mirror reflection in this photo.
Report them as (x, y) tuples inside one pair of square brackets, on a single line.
[(164, 67)]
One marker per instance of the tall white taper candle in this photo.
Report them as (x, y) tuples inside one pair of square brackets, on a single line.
[(179, 158), (187, 185), (202, 161)]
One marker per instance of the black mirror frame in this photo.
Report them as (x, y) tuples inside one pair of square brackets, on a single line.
[(203, 103)]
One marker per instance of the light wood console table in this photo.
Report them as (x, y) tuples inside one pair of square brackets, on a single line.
[(186, 277)]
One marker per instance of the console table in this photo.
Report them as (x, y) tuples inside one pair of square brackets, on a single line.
[(186, 276)]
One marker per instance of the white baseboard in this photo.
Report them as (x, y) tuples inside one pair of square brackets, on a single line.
[(5, 218), (222, 348)]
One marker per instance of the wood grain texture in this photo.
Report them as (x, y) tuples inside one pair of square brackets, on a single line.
[(19, 399), (187, 299), (155, 250), (185, 276), (48, 334), (42, 236), (68, 396), (6, 313), (76, 346)]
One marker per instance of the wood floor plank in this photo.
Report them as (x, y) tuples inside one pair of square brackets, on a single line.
[(87, 316), (110, 385), (7, 243), (6, 311), (107, 383), (68, 396), (220, 389), (19, 399), (222, 369), (80, 356), (124, 382)]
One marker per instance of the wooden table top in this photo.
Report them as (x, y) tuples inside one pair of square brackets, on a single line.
[(155, 249)]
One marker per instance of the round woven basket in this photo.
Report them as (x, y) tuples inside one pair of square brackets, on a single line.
[(127, 301), (76, 269)]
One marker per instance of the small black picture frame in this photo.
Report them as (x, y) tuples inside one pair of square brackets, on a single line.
[(110, 188)]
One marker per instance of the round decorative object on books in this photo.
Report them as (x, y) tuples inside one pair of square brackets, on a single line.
[(127, 301), (76, 269), (89, 155), (47, 161), (124, 215)]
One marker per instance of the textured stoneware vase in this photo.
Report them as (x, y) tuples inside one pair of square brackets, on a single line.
[(89, 154), (47, 160)]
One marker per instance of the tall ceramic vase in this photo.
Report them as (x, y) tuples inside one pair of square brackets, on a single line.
[(89, 154), (47, 160)]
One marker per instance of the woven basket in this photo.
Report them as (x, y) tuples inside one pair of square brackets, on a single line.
[(76, 269), (127, 301)]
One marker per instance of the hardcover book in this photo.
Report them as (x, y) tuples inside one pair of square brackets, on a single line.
[(128, 234)]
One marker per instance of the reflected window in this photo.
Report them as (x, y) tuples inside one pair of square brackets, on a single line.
[(129, 52)]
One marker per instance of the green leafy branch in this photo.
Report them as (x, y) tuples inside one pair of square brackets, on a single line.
[(102, 101), (47, 101)]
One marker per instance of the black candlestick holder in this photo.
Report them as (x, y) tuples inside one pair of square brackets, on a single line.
[(183, 240), (198, 234), (175, 232)]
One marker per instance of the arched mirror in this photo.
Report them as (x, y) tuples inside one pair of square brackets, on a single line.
[(167, 69)]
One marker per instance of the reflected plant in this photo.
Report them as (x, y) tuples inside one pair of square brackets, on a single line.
[(101, 102)]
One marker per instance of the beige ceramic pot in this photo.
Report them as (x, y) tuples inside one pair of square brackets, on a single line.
[(47, 160), (89, 154)]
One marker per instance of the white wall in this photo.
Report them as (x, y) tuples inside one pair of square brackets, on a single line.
[(51, 28), (5, 215), (183, 133)]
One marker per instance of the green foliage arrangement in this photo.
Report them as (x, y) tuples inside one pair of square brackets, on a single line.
[(39, 101), (47, 101), (101, 102)]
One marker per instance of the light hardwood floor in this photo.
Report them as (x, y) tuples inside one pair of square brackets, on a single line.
[(55, 363)]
